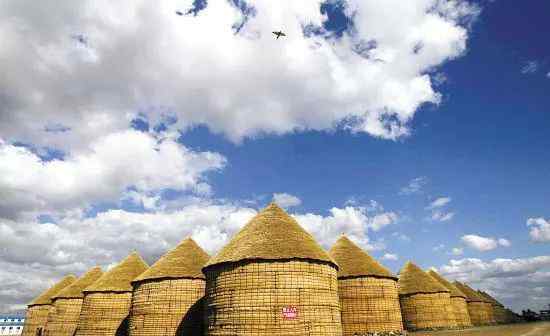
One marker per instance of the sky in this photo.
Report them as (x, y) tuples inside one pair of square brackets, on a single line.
[(418, 129)]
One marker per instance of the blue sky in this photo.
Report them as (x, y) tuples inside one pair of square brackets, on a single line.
[(446, 168)]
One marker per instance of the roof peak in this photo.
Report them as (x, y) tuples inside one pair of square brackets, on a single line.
[(118, 278), (455, 292), (412, 280), (46, 296), (74, 290)]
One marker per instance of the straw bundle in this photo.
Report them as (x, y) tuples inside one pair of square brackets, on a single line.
[(425, 303), (498, 309), (458, 300), (272, 279), (39, 308), (477, 307), (369, 298), (67, 304), (107, 301), (165, 300)]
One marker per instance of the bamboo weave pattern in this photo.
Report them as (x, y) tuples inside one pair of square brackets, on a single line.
[(36, 319), (103, 313), (478, 313), (460, 310), (62, 320), (427, 311)]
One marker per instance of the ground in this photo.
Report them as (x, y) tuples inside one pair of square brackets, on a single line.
[(524, 329)]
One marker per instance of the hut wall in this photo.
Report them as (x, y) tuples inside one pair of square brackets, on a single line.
[(63, 319), (36, 319), (103, 313), (167, 307), (369, 304), (427, 311), (500, 314), (248, 298), (478, 313), (490, 313), (460, 309)]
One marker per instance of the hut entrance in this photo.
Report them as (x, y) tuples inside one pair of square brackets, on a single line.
[(122, 329), (39, 332)]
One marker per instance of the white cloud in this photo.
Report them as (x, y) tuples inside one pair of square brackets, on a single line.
[(540, 230), (286, 200), (437, 214), (530, 67), (484, 244), (457, 251), (439, 202), (415, 186), (390, 256), (139, 56)]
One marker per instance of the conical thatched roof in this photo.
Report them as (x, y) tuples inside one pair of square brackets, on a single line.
[(119, 277), (45, 297), (413, 280), (471, 295), (271, 235), (353, 261), (74, 290), (185, 261), (455, 292)]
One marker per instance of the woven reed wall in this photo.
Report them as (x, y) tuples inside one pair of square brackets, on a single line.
[(37, 317), (103, 313), (63, 319), (500, 314), (460, 309), (490, 313), (164, 308), (427, 311), (247, 299), (369, 304), (478, 313)]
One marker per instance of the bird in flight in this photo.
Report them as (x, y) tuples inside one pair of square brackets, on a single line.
[(180, 13), (279, 34)]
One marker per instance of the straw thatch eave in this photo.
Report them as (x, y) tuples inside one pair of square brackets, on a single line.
[(454, 291), (354, 262), (471, 295), (74, 290), (271, 235), (183, 262), (118, 279), (45, 297), (413, 280)]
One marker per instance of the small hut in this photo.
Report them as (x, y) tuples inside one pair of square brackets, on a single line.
[(166, 297), (107, 301), (39, 308), (458, 300), (369, 297), (499, 312), (67, 305), (272, 279), (477, 306), (425, 303)]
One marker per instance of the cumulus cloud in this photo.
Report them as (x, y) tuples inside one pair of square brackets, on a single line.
[(484, 244), (286, 200), (540, 230), (90, 67), (390, 256), (415, 186)]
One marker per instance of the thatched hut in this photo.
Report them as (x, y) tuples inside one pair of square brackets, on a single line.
[(499, 312), (107, 301), (272, 279), (458, 300), (368, 292), (39, 308), (425, 303), (67, 304), (166, 297), (477, 306)]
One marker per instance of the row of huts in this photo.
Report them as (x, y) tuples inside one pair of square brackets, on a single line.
[(272, 278)]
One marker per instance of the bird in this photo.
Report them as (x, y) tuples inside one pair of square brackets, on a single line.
[(180, 13), (279, 34)]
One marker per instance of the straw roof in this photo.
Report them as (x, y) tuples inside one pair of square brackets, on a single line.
[(353, 261), (455, 292), (45, 297), (74, 290), (185, 261), (119, 277), (490, 298), (272, 235), (471, 295), (413, 280)]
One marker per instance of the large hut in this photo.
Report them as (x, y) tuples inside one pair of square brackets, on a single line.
[(499, 312), (107, 301), (425, 303), (166, 300), (39, 308), (368, 292), (458, 301), (272, 279), (477, 306), (67, 305)]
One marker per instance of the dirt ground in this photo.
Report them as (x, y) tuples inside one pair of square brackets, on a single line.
[(524, 329)]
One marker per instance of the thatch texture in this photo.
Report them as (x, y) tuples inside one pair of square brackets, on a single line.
[(39, 308), (368, 292), (67, 304), (425, 303), (458, 300), (477, 306), (499, 311), (272, 279), (107, 301), (166, 297)]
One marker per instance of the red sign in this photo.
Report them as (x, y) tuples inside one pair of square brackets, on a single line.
[(290, 313)]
